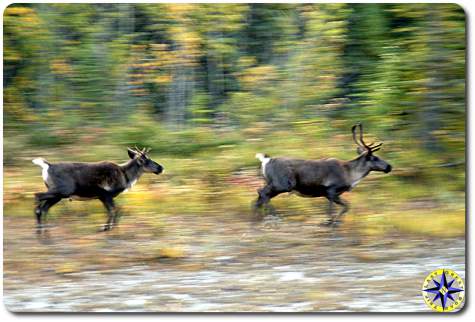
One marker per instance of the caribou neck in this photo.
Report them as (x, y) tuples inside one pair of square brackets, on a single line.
[(357, 170), (132, 171)]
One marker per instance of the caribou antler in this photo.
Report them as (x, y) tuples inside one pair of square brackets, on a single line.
[(372, 147), (375, 147), (353, 130), (142, 152)]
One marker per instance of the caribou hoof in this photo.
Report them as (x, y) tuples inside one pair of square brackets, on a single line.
[(256, 217), (272, 222), (337, 222), (105, 228), (40, 229), (328, 223)]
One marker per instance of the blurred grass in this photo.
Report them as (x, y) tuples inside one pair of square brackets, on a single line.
[(214, 172), (439, 224)]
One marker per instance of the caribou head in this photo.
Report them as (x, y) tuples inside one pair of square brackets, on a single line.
[(366, 152), (144, 161)]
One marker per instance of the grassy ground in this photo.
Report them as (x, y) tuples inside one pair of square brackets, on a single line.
[(217, 174)]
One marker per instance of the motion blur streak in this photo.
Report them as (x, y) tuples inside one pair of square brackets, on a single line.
[(207, 86)]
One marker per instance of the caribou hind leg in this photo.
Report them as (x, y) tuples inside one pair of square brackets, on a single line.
[(39, 212), (44, 201), (263, 201)]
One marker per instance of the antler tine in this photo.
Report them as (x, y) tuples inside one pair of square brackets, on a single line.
[(139, 151), (374, 144), (353, 130), (361, 136), (369, 147), (376, 147)]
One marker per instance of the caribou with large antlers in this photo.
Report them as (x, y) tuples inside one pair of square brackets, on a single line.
[(101, 180), (318, 178)]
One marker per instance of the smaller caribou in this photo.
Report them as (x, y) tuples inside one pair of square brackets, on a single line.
[(318, 178), (83, 181)]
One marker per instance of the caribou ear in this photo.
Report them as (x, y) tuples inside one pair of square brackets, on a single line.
[(131, 153)]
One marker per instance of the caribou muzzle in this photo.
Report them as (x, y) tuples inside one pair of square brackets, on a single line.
[(159, 169)]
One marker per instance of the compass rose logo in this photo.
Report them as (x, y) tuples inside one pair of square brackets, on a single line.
[(443, 290)]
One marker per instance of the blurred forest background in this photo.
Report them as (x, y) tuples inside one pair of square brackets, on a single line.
[(206, 86)]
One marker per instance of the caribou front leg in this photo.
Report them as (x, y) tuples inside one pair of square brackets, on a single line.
[(345, 208), (108, 203), (334, 219), (332, 197), (329, 221)]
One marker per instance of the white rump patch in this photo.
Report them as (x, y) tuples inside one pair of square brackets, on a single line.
[(264, 160), (44, 166)]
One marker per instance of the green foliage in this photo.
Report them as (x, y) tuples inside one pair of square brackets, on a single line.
[(141, 131), (42, 137), (236, 64)]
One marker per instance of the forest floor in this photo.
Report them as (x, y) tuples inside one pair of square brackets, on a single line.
[(219, 263)]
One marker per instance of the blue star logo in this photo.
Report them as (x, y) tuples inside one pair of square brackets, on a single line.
[(443, 290)]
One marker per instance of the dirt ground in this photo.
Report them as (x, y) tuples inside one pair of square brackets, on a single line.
[(196, 264)]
